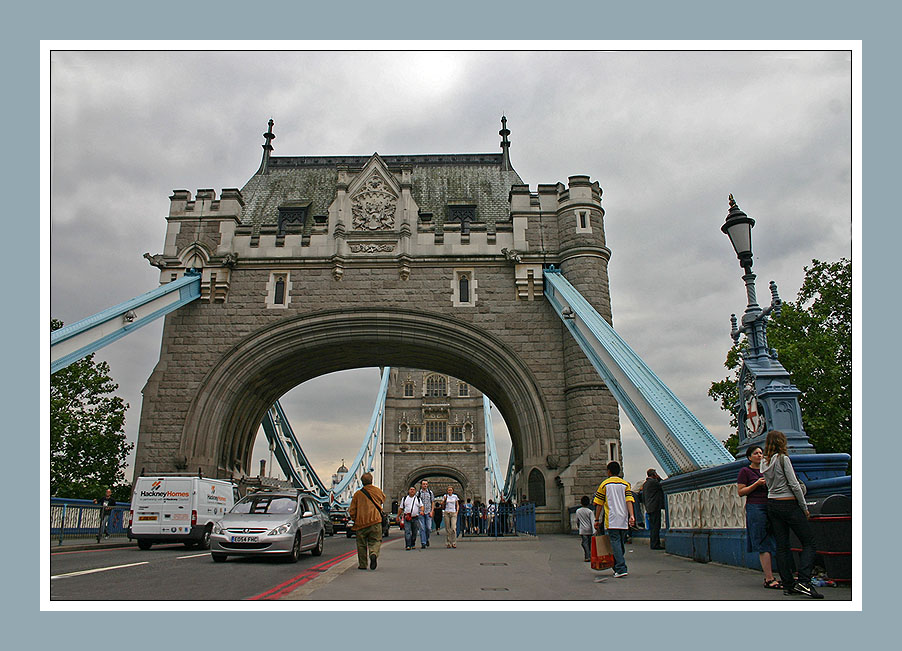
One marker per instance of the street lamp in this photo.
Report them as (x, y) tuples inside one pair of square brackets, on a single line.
[(767, 398), (738, 228)]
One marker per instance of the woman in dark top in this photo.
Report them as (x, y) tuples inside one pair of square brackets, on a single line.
[(437, 514), (751, 486)]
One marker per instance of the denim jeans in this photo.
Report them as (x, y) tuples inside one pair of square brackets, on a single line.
[(410, 532), (618, 539), (786, 515), (587, 545), (425, 521)]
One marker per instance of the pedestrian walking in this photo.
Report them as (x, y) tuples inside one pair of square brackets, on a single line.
[(787, 510), (408, 514), (366, 512), (468, 517), (106, 510), (653, 496), (427, 498), (585, 522), (490, 513), (614, 501), (450, 507), (437, 515)]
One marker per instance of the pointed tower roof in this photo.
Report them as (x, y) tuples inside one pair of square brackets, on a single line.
[(505, 145), (267, 149)]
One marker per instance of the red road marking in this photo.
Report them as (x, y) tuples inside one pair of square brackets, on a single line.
[(302, 578)]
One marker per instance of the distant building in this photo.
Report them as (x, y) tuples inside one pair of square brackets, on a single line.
[(434, 430), (339, 474)]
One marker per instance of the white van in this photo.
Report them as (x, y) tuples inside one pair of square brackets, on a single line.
[(178, 509)]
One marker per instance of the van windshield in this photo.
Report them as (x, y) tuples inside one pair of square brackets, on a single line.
[(264, 504)]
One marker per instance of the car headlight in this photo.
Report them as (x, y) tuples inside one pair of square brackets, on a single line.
[(281, 530), (218, 528)]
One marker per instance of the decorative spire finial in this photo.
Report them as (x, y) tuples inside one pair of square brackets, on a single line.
[(505, 145), (735, 210), (267, 149)]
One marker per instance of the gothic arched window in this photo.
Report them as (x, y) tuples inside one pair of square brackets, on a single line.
[(279, 298), (464, 292), (436, 386), (537, 487)]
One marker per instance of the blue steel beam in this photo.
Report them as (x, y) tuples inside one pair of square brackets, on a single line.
[(492, 466), (72, 342), (510, 479), (290, 454), (365, 459), (297, 467), (672, 433)]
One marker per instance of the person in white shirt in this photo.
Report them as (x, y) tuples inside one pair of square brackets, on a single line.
[(585, 520), (408, 515), (451, 505)]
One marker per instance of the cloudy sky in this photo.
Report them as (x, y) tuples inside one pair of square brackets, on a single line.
[(669, 135)]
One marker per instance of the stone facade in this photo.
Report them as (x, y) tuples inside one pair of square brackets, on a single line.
[(434, 429), (322, 264)]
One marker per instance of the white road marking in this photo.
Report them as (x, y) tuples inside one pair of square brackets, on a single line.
[(99, 569), (194, 555)]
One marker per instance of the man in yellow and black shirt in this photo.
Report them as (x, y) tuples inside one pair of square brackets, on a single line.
[(615, 500)]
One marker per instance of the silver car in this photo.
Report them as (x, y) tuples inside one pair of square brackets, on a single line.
[(269, 523)]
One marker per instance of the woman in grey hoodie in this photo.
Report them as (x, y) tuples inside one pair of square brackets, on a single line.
[(787, 510)]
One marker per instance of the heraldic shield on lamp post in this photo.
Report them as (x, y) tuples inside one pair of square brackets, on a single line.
[(768, 399)]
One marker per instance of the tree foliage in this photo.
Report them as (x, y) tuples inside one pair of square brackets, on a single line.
[(813, 338), (87, 438)]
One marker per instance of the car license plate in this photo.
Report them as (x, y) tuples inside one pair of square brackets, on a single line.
[(244, 539), (147, 518)]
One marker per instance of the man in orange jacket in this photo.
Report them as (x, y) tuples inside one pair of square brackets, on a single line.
[(366, 512)]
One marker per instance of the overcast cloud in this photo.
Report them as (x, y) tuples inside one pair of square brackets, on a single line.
[(667, 134)]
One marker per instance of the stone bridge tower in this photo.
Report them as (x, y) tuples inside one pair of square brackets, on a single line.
[(325, 263), (434, 429)]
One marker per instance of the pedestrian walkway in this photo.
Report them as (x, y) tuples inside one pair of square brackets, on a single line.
[(549, 567), (87, 543)]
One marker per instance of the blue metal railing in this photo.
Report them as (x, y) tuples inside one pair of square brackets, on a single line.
[(72, 519), (498, 520)]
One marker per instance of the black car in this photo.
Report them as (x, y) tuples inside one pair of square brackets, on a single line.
[(340, 520)]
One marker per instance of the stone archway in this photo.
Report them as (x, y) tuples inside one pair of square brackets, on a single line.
[(427, 472), (224, 415)]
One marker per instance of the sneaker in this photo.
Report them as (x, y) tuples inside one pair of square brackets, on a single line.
[(361, 568), (619, 575), (422, 546), (407, 549), (372, 561), (805, 589)]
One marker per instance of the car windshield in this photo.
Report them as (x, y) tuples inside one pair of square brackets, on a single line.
[(264, 504)]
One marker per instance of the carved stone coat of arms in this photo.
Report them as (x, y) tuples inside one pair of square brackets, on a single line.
[(373, 207)]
